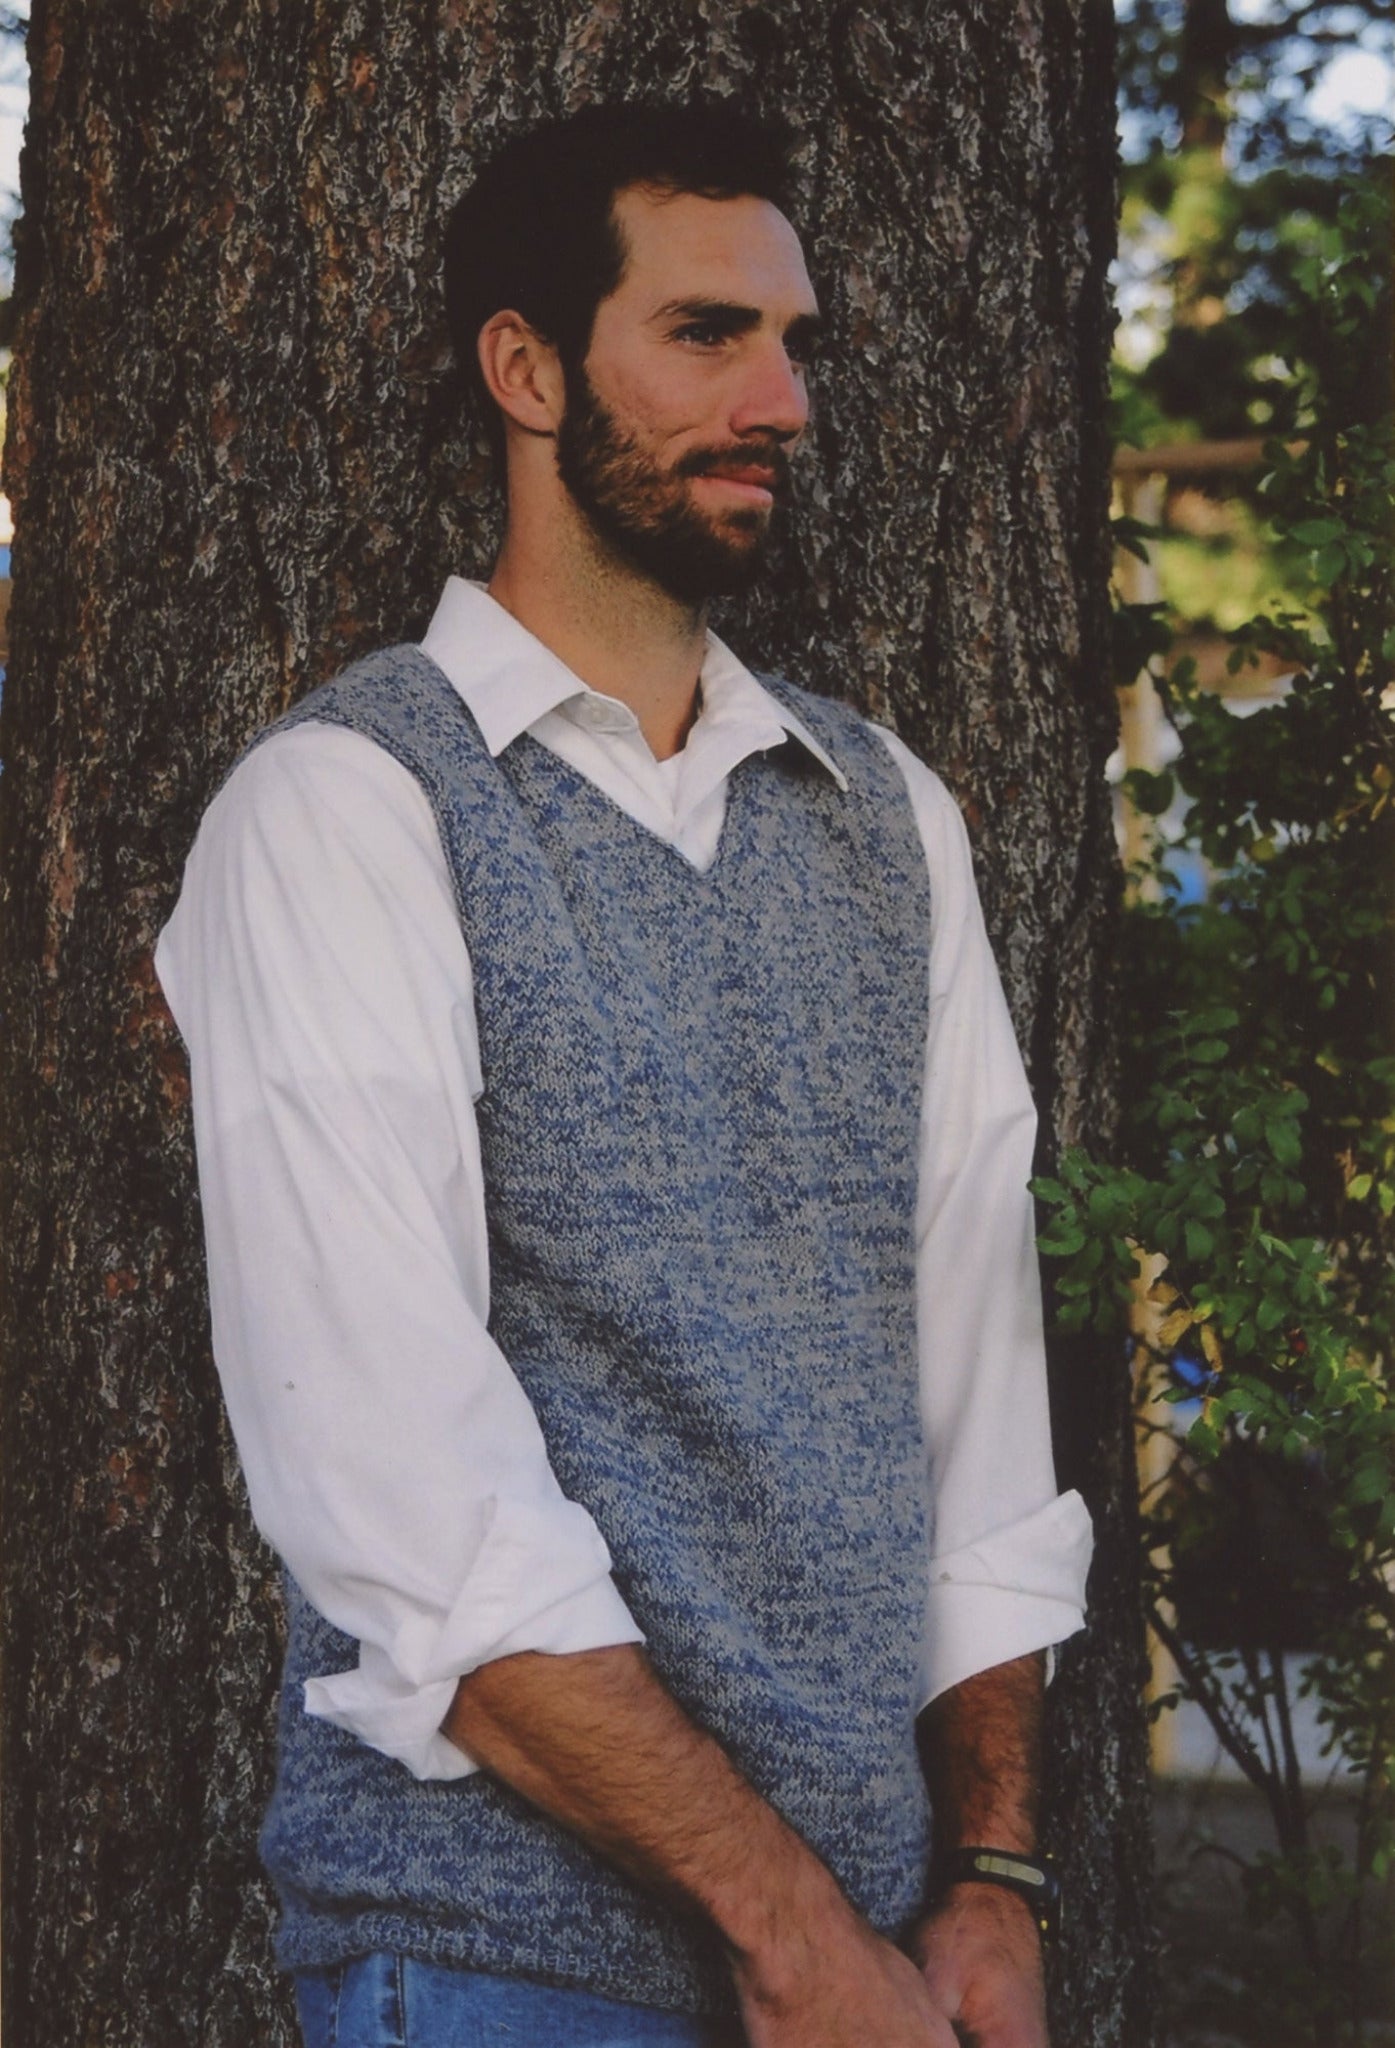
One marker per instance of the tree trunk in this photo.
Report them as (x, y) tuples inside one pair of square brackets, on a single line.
[(236, 460)]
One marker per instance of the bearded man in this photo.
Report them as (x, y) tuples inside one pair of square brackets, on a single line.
[(613, 1151)]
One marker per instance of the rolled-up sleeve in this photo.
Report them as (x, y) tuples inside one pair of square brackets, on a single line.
[(1009, 1553), (317, 971)]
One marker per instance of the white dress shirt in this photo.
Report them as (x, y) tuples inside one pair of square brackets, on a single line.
[(317, 970)]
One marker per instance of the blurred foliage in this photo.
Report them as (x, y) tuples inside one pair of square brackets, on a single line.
[(1258, 1163), (14, 78), (1223, 574), (1238, 347), (1192, 70), (1230, 191)]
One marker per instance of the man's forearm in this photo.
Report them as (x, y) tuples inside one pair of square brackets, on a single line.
[(978, 1947), (980, 1749), (597, 1742)]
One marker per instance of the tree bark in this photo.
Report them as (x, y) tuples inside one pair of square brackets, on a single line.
[(237, 459)]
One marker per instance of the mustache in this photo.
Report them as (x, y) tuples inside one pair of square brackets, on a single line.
[(763, 462)]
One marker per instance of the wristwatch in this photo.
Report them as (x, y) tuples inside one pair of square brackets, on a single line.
[(1032, 1879)]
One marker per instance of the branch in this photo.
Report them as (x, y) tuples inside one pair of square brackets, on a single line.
[(1261, 1714), (1293, 1778), (1209, 1697)]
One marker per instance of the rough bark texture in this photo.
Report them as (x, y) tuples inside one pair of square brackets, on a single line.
[(236, 459)]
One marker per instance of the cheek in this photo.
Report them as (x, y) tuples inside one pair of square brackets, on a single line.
[(660, 405)]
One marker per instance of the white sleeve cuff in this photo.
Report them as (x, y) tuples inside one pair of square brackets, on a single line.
[(395, 1702), (1018, 1589)]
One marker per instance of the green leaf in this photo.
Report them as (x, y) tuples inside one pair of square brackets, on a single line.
[(1314, 533), (1200, 1240), (1130, 534), (1204, 1438), (1284, 1141), (1359, 1186), (1106, 1207), (1248, 1126), (1149, 793), (1371, 1481), (1217, 1018)]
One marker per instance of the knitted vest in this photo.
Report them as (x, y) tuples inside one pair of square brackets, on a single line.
[(699, 1134)]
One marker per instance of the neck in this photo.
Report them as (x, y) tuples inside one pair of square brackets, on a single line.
[(609, 623)]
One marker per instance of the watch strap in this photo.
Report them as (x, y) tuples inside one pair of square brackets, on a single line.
[(1030, 1877)]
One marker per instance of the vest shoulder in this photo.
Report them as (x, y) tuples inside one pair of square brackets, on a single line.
[(390, 693), (395, 697), (381, 674)]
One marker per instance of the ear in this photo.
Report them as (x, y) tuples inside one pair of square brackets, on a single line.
[(522, 373)]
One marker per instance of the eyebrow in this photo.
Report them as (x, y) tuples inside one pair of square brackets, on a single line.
[(732, 318)]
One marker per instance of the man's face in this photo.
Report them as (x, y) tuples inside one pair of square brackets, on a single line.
[(678, 428)]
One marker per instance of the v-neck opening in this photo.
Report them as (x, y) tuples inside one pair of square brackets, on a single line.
[(592, 791)]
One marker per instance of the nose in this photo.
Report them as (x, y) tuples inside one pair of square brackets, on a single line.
[(772, 399)]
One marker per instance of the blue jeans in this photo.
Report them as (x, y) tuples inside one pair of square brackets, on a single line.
[(388, 2001)]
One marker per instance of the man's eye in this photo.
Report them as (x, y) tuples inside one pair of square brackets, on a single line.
[(705, 333)]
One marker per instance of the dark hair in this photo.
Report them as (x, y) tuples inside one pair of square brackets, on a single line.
[(536, 232)]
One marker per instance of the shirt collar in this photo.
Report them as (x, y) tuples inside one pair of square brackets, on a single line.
[(509, 680)]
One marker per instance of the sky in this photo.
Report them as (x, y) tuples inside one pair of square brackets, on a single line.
[(1357, 82), (14, 98)]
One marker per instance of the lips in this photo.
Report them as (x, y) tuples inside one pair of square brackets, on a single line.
[(769, 474), (761, 479)]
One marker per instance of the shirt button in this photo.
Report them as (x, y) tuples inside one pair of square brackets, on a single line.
[(603, 717)]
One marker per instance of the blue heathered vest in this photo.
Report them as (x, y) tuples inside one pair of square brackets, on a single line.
[(699, 1132)]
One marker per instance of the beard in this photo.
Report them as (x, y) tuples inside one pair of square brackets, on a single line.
[(648, 516)]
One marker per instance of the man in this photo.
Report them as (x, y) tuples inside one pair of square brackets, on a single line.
[(614, 1178)]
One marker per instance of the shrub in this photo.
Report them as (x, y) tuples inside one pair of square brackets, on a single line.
[(1255, 1190)]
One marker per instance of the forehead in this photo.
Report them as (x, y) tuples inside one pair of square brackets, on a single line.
[(680, 245)]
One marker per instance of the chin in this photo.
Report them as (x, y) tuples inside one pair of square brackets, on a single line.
[(718, 571)]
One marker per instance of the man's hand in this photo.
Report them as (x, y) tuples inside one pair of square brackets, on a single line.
[(980, 1955), (838, 1986)]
